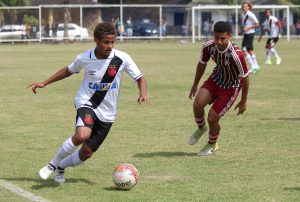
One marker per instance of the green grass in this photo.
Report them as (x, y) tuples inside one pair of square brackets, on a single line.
[(259, 156)]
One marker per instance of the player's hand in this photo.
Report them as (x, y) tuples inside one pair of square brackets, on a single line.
[(143, 100), (241, 106), (34, 86), (246, 29), (193, 92)]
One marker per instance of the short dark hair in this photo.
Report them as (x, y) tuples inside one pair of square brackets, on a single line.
[(104, 28), (222, 27)]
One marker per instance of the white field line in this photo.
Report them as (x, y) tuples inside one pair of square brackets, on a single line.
[(21, 192)]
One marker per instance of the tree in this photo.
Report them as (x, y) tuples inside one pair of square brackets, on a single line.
[(14, 3), (13, 16)]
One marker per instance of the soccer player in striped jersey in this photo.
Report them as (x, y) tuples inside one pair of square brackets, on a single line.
[(273, 25), (221, 88), (96, 100), (249, 23)]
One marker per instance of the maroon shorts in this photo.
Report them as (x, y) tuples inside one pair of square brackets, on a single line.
[(221, 99)]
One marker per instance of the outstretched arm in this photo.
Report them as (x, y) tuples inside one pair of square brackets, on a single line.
[(61, 74), (143, 90), (199, 73)]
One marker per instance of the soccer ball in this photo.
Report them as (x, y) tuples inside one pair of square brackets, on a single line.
[(125, 176)]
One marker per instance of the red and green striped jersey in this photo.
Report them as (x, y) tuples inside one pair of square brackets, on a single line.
[(231, 64)]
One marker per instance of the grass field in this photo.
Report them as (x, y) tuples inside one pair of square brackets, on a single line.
[(259, 156)]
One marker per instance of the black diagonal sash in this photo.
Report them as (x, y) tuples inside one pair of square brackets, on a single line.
[(108, 77)]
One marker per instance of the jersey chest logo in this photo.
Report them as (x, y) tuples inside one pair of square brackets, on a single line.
[(111, 70)]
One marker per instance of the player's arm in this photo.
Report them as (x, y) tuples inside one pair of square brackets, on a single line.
[(61, 74), (278, 23), (142, 85), (242, 105), (255, 25), (261, 33), (199, 73)]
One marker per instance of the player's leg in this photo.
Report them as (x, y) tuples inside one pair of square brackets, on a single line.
[(273, 50), (67, 148), (214, 131), (221, 105), (85, 117), (202, 98), (245, 48), (268, 52), (250, 49), (90, 145)]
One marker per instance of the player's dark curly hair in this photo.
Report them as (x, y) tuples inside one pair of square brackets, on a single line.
[(104, 28), (222, 26)]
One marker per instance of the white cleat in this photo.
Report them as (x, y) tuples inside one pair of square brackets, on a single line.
[(59, 175), (46, 171), (278, 61), (208, 149)]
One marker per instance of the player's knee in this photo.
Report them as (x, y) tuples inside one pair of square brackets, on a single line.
[(212, 117), (197, 105), (79, 138)]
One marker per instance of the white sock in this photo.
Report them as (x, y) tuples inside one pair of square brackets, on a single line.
[(65, 150), (253, 57), (274, 52), (268, 53), (71, 161), (249, 59)]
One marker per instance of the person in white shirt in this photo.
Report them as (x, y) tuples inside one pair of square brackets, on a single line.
[(96, 100), (273, 25), (249, 23)]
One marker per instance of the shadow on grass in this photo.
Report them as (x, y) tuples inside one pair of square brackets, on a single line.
[(163, 154), (47, 183), (291, 188), (282, 119), (114, 189)]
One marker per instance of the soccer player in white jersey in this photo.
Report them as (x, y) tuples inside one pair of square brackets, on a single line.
[(249, 23), (273, 25), (96, 100), (221, 88)]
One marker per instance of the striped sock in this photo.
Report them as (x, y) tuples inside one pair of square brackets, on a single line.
[(213, 137), (200, 122)]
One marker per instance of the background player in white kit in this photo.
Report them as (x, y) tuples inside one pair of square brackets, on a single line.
[(249, 23), (96, 100), (273, 25)]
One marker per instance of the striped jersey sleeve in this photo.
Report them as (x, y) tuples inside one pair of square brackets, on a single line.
[(205, 52)]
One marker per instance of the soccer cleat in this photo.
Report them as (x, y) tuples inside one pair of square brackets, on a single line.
[(208, 149), (256, 69), (46, 171), (268, 62), (278, 60), (197, 134), (59, 175)]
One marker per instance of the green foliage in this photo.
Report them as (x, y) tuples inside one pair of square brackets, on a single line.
[(30, 20), (15, 2), (225, 2), (296, 10)]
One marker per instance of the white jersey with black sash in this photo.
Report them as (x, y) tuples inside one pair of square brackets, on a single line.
[(100, 87), (249, 19)]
